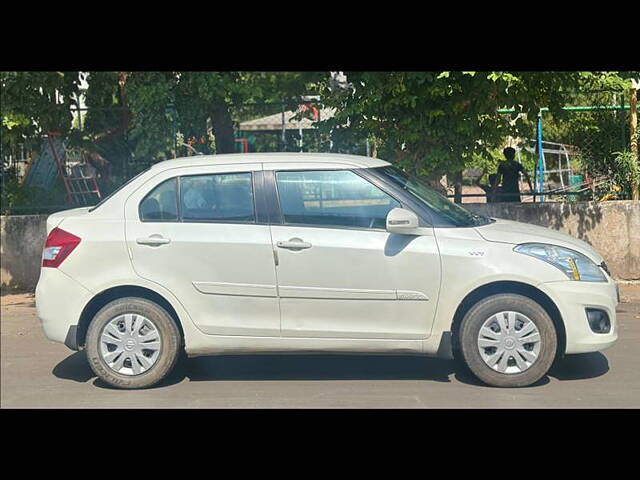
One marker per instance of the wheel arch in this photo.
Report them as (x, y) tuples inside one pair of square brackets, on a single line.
[(520, 288), (114, 293)]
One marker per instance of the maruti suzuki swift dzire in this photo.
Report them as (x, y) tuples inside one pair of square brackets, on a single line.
[(323, 253)]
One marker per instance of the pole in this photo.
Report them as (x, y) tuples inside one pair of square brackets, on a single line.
[(622, 119), (127, 157), (540, 158), (170, 110), (284, 138), (175, 131), (535, 170), (300, 132), (633, 97)]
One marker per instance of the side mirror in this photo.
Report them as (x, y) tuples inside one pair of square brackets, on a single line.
[(402, 221)]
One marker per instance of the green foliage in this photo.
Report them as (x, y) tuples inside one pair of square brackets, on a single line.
[(487, 162), (620, 170), (194, 96), (17, 199), (437, 122), (433, 123), (428, 121), (36, 103)]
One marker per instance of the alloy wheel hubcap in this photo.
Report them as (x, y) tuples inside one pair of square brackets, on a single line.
[(509, 342), (130, 344)]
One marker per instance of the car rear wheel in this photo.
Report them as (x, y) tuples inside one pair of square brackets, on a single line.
[(132, 343), (508, 340)]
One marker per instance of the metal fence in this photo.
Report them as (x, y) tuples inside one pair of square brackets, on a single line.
[(558, 150), (591, 134)]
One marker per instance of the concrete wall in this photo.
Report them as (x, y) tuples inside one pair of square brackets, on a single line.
[(613, 228), (21, 240)]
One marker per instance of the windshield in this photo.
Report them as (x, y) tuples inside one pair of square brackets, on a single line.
[(101, 202), (453, 213)]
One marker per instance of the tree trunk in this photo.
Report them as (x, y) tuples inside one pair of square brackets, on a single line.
[(635, 194), (457, 192), (125, 120), (374, 153), (222, 127)]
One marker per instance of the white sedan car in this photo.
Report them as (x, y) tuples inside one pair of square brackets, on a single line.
[(322, 253)]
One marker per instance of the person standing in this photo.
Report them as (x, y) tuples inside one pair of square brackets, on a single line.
[(509, 173)]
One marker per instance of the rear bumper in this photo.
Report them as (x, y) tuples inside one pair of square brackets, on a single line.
[(572, 299), (59, 303)]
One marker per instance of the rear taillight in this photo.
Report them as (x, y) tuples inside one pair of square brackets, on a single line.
[(58, 246)]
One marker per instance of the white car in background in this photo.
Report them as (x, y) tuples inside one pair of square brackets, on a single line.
[(300, 253)]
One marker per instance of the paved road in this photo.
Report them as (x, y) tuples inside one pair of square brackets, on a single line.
[(40, 373)]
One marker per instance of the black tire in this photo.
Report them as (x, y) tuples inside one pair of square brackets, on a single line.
[(170, 348), (484, 309)]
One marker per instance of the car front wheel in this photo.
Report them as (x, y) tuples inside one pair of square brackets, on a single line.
[(508, 340)]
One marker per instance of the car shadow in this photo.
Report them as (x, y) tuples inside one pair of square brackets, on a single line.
[(317, 367), (580, 366), (330, 367), (75, 367), (396, 243)]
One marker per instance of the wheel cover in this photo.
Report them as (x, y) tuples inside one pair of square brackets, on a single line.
[(130, 344), (509, 342)]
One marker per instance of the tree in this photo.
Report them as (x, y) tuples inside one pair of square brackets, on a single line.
[(202, 98), (138, 115), (433, 122), (33, 104), (36, 103)]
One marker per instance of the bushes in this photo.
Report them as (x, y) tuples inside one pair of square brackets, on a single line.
[(620, 170), (18, 199)]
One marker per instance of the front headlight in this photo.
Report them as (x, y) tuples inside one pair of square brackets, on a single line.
[(575, 265)]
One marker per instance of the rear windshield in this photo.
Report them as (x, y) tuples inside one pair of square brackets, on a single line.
[(103, 201)]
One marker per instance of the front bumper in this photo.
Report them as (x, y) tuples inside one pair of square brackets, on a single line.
[(572, 299), (59, 303)]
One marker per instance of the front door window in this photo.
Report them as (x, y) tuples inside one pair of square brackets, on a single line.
[(329, 198)]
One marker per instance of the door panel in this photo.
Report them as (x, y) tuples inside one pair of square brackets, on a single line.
[(340, 274), (223, 273), (357, 283)]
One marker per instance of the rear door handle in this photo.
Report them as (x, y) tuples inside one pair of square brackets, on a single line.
[(153, 240), (294, 244)]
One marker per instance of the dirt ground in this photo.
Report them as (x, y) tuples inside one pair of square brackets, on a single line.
[(39, 373)]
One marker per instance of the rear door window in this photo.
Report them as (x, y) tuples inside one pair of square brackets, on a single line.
[(224, 197)]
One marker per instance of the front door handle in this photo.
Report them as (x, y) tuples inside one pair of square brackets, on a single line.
[(294, 244), (153, 240)]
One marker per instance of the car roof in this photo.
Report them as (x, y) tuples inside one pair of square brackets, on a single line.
[(279, 157)]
